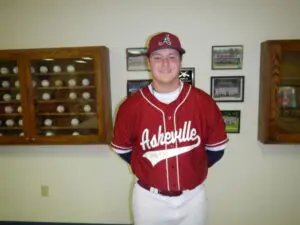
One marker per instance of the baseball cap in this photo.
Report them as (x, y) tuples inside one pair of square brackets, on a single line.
[(164, 40)]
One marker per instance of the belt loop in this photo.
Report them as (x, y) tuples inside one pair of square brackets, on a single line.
[(154, 190)]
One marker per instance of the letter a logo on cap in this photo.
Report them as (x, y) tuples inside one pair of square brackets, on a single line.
[(166, 40)]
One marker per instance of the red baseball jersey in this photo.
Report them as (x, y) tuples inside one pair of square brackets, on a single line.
[(168, 141)]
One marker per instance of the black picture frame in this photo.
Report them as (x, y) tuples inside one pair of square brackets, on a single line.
[(232, 120), (187, 74), (136, 59), (134, 85), (227, 57), (227, 88)]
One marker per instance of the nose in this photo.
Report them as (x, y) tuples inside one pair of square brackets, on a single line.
[(165, 61)]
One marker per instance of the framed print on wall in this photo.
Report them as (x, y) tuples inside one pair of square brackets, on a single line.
[(227, 88), (134, 85), (187, 74), (228, 57), (232, 120), (136, 59)]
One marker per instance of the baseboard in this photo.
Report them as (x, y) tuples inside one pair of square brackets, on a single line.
[(51, 223)]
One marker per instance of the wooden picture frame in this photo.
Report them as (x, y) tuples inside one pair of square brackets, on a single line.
[(227, 57), (227, 88)]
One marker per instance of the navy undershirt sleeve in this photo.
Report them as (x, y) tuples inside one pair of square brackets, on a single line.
[(213, 157), (126, 157)]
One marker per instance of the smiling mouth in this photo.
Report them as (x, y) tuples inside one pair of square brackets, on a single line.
[(165, 71)]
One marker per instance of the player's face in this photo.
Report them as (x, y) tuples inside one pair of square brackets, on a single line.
[(165, 65)]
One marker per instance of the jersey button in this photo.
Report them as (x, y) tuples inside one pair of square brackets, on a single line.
[(169, 117)]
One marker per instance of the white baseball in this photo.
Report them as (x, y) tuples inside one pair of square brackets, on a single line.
[(87, 108), (19, 109), (86, 95), (9, 122), (4, 70), (70, 68), (46, 96), (8, 109), (21, 134), (20, 122), (75, 133), (15, 70), (45, 83), (72, 95), (5, 84), (49, 133), (18, 96), (32, 69), (17, 83), (6, 97), (56, 69), (48, 122), (74, 121), (85, 82), (60, 108), (43, 69), (58, 83), (72, 82)]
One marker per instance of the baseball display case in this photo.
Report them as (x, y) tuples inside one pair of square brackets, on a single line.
[(279, 97), (53, 96)]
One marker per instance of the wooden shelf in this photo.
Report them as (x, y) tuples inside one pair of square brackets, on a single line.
[(67, 128), (10, 102), (10, 114), (9, 89), (81, 73), (67, 101), (66, 88), (8, 75), (11, 128), (67, 114)]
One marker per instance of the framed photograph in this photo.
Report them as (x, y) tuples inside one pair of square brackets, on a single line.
[(227, 88), (232, 120), (135, 85), (286, 97), (136, 59), (227, 57), (187, 75)]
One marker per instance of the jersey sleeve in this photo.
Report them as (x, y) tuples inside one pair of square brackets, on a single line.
[(122, 132), (216, 135)]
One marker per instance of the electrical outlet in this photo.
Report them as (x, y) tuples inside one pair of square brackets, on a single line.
[(44, 191)]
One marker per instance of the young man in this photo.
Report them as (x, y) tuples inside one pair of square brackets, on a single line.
[(170, 133)]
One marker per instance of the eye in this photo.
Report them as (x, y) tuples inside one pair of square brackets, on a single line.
[(156, 57), (173, 57)]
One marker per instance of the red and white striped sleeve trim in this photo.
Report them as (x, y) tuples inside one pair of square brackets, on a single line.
[(217, 146), (120, 149)]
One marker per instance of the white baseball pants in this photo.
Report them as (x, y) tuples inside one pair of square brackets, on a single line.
[(149, 208)]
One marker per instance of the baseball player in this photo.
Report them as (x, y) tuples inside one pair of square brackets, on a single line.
[(170, 133)]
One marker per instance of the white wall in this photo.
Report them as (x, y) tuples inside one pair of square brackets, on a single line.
[(253, 185)]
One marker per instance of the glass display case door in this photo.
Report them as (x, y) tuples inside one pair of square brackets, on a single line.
[(64, 96)]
